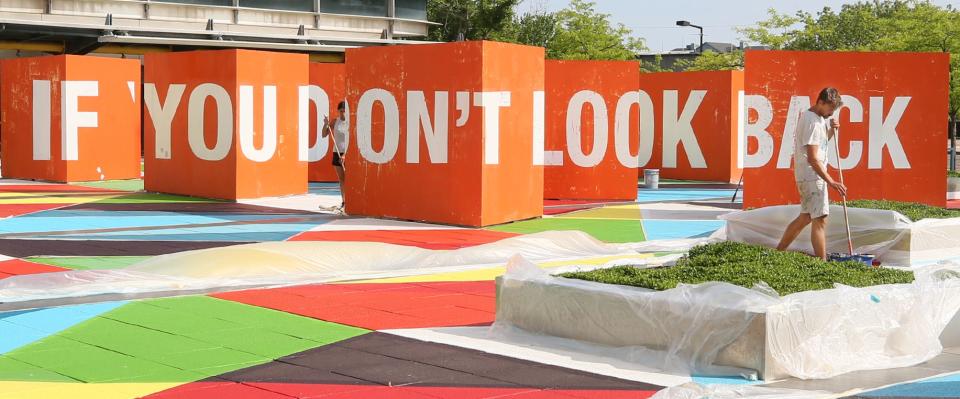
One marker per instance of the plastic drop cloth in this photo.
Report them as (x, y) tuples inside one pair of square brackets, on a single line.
[(288, 263), (722, 329), (891, 236)]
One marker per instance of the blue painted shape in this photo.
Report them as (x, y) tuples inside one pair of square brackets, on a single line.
[(23, 327), (724, 380), (681, 194), (246, 232), (15, 336), (656, 229), (57, 220), (324, 188), (935, 388)]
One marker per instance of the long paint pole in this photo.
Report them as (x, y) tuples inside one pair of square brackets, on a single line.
[(846, 218)]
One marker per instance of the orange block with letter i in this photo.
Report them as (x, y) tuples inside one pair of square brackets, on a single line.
[(70, 118)]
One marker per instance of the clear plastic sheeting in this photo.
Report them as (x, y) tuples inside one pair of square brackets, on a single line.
[(693, 390), (289, 263), (723, 329), (891, 236), (683, 330)]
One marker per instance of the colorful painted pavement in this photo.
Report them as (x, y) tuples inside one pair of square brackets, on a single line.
[(406, 337)]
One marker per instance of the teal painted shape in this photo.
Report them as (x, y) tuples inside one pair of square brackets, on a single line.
[(26, 326), (940, 387), (681, 194)]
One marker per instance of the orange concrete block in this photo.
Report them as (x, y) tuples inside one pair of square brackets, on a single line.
[(224, 124), (331, 79), (592, 130), (696, 118), (445, 133), (70, 118), (892, 127)]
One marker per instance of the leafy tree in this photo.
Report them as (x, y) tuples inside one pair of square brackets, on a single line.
[(713, 61), (585, 34), (655, 66), (470, 19), (537, 28)]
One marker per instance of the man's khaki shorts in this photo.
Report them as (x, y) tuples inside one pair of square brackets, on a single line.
[(814, 198)]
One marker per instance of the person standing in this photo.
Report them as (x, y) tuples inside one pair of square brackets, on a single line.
[(814, 130), (340, 129)]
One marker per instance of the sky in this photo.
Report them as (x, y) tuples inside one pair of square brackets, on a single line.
[(655, 20)]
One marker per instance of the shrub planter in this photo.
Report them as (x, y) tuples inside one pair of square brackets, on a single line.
[(720, 327)]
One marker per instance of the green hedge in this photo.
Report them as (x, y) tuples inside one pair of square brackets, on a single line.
[(953, 173), (912, 210), (746, 265)]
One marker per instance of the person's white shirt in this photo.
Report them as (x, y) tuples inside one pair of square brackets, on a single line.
[(811, 130), (341, 129)]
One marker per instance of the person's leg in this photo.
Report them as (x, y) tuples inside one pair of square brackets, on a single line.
[(818, 236), (340, 178), (793, 230)]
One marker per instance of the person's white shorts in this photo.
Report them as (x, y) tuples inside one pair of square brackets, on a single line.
[(814, 198)]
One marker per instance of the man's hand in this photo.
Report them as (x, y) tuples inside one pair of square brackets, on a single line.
[(842, 189), (834, 125)]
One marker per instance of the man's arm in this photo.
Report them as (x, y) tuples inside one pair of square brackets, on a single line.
[(814, 161)]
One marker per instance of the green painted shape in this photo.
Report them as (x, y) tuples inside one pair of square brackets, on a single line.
[(92, 364), (169, 321), (118, 185), (253, 316), (15, 370), (606, 230), (147, 198), (170, 340), (89, 262), (215, 361), (132, 340), (258, 341)]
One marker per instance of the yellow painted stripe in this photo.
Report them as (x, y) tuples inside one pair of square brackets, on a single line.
[(78, 390)]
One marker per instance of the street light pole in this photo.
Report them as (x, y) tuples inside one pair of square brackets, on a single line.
[(687, 23)]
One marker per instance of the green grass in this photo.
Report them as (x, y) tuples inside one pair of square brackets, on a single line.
[(953, 173), (912, 210), (746, 265)]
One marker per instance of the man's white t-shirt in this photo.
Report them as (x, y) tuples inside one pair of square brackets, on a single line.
[(811, 130), (341, 129)]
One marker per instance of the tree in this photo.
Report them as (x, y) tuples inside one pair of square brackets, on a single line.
[(536, 28), (655, 66), (470, 19), (585, 34), (713, 61)]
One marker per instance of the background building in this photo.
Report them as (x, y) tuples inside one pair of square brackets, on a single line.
[(323, 28)]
